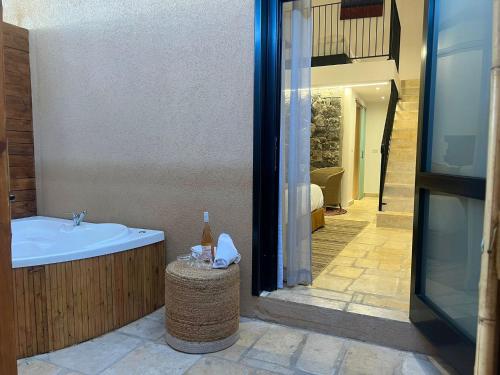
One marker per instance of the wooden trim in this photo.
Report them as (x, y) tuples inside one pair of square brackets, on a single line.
[(317, 219), (19, 123), (488, 331), (8, 363), (63, 304)]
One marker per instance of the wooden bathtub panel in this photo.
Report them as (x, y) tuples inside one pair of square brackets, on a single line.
[(59, 305)]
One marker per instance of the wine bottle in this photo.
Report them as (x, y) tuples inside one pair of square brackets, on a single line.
[(207, 241)]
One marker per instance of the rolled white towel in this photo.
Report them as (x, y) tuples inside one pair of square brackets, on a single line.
[(226, 252)]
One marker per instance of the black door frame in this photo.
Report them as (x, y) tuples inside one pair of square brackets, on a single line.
[(452, 344), (267, 97), (267, 104)]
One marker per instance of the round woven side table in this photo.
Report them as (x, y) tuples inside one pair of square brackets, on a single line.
[(202, 307)]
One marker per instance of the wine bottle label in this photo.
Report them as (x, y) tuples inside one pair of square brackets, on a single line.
[(206, 252)]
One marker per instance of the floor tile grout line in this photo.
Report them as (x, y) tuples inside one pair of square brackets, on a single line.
[(194, 363), (244, 355), (250, 347), (46, 360), (143, 342)]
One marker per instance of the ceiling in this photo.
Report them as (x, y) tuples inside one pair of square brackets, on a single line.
[(374, 93)]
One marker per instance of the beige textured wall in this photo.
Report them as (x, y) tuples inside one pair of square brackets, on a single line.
[(411, 14), (143, 114)]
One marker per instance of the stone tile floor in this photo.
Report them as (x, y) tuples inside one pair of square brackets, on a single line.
[(263, 348), (370, 276)]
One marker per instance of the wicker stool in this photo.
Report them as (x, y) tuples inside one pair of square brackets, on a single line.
[(202, 307)]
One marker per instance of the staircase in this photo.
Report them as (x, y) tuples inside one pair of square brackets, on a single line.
[(400, 178)]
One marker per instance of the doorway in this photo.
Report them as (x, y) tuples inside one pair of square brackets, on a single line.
[(359, 153), (448, 191), (357, 266)]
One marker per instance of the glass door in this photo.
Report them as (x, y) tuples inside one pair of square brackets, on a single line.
[(451, 171)]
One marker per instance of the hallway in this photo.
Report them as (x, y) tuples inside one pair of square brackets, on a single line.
[(370, 276)]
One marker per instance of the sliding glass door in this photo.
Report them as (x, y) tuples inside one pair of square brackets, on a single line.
[(450, 183)]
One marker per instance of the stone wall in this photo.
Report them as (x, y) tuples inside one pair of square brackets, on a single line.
[(326, 131)]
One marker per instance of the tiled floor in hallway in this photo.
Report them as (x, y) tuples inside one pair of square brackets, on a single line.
[(370, 276), (263, 348)]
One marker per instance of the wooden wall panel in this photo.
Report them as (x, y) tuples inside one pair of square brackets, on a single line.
[(59, 305), (19, 123), (7, 315)]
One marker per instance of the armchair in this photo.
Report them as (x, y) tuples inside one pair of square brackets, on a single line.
[(329, 180)]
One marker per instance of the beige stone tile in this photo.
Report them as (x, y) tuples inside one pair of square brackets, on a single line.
[(394, 253), (158, 315), (401, 304), (277, 346), (320, 353), (401, 235), (391, 254), (379, 272), (353, 245), (370, 240), (373, 284), (343, 261), (250, 331), (416, 364), (153, 359), (383, 256), (149, 329), (31, 366), (265, 368), (366, 263), (289, 295), (403, 246), (378, 312), (358, 298), (349, 272), (353, 253), (210, 366), (406, 267), (404, 287), (334, 283), (93, 356), (370, 359), (324, 293), (389, 266)]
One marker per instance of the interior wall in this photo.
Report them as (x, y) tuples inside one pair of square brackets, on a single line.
[(376, 114), (411, 15), (348, 143), (143, 115), (362, 72)]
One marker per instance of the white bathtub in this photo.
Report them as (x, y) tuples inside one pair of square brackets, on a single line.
[(41, 240)]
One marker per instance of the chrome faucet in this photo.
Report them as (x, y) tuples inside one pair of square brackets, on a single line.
[(78, 217)]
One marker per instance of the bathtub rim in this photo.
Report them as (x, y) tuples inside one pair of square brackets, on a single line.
[(138, 240)]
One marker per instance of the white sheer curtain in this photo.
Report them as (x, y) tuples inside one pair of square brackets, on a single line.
[(294, 226)]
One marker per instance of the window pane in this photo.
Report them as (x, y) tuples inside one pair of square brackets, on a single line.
[(460, 88), (452, 238)]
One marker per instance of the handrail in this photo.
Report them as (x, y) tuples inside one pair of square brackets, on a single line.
[(356, 38), (386, 140)]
